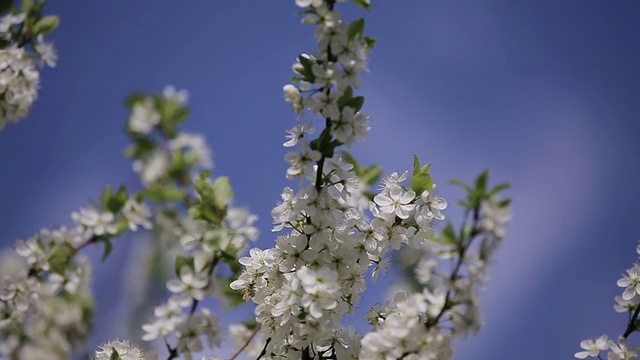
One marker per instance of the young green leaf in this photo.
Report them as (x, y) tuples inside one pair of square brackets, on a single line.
[(108, 246), (355, 29), (346, 96), (307, 67), (504, 203), (106, 195), (481, 181), (162, 193), (355, 103), (26, 5), (370, 41), (363, 3), (371, 175), (116, 201), (421, 179), (132, 99), (45, 25), (498, 188), (222, 192)]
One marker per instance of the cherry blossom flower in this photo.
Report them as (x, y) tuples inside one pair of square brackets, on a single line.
[(631, 283), (123, 349), (396, 201)]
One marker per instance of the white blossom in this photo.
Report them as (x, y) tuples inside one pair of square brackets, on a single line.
[(47, 52), (124, 349), (137, 214), (144, 116), (631, 283), (19, 83), (195, 149), (95, 222), (180, 97)]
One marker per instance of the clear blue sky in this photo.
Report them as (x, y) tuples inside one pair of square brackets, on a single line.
[(543, 93)]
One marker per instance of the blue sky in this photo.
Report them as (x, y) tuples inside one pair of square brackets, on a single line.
[(542, 93)]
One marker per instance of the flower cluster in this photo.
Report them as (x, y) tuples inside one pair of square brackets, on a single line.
[(423, 319), (334, 232), (628, 302), (19, 76), (201, 249), (19, 83), (213, 232), (160, 152), (327, 76), (315, 274), (46, 303)]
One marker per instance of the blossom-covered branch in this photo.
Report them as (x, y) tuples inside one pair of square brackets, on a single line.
[(334, 233), (22, 48), (628, 302)]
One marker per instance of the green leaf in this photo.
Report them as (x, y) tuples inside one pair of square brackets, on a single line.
[(498, 188), (46, 25), (211, 206), (108, 247), (105, 196), (355, 29), (355, 103), (161, 193), (141, 146), (181, 114), (113, 202), (307, 68), (222, 191), (324, 143), (445, 240), (369, 194), (416, 164), (26, 5), (481, 181), (35, 12), (58, 258), (371, 175), (461, 184), (116, 202), (504, 203), (370, 41), (346, 96), (363, 3), (368, 175), (232, 260), (421, 179), (330, 149), (134, 98), (205, 174)]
